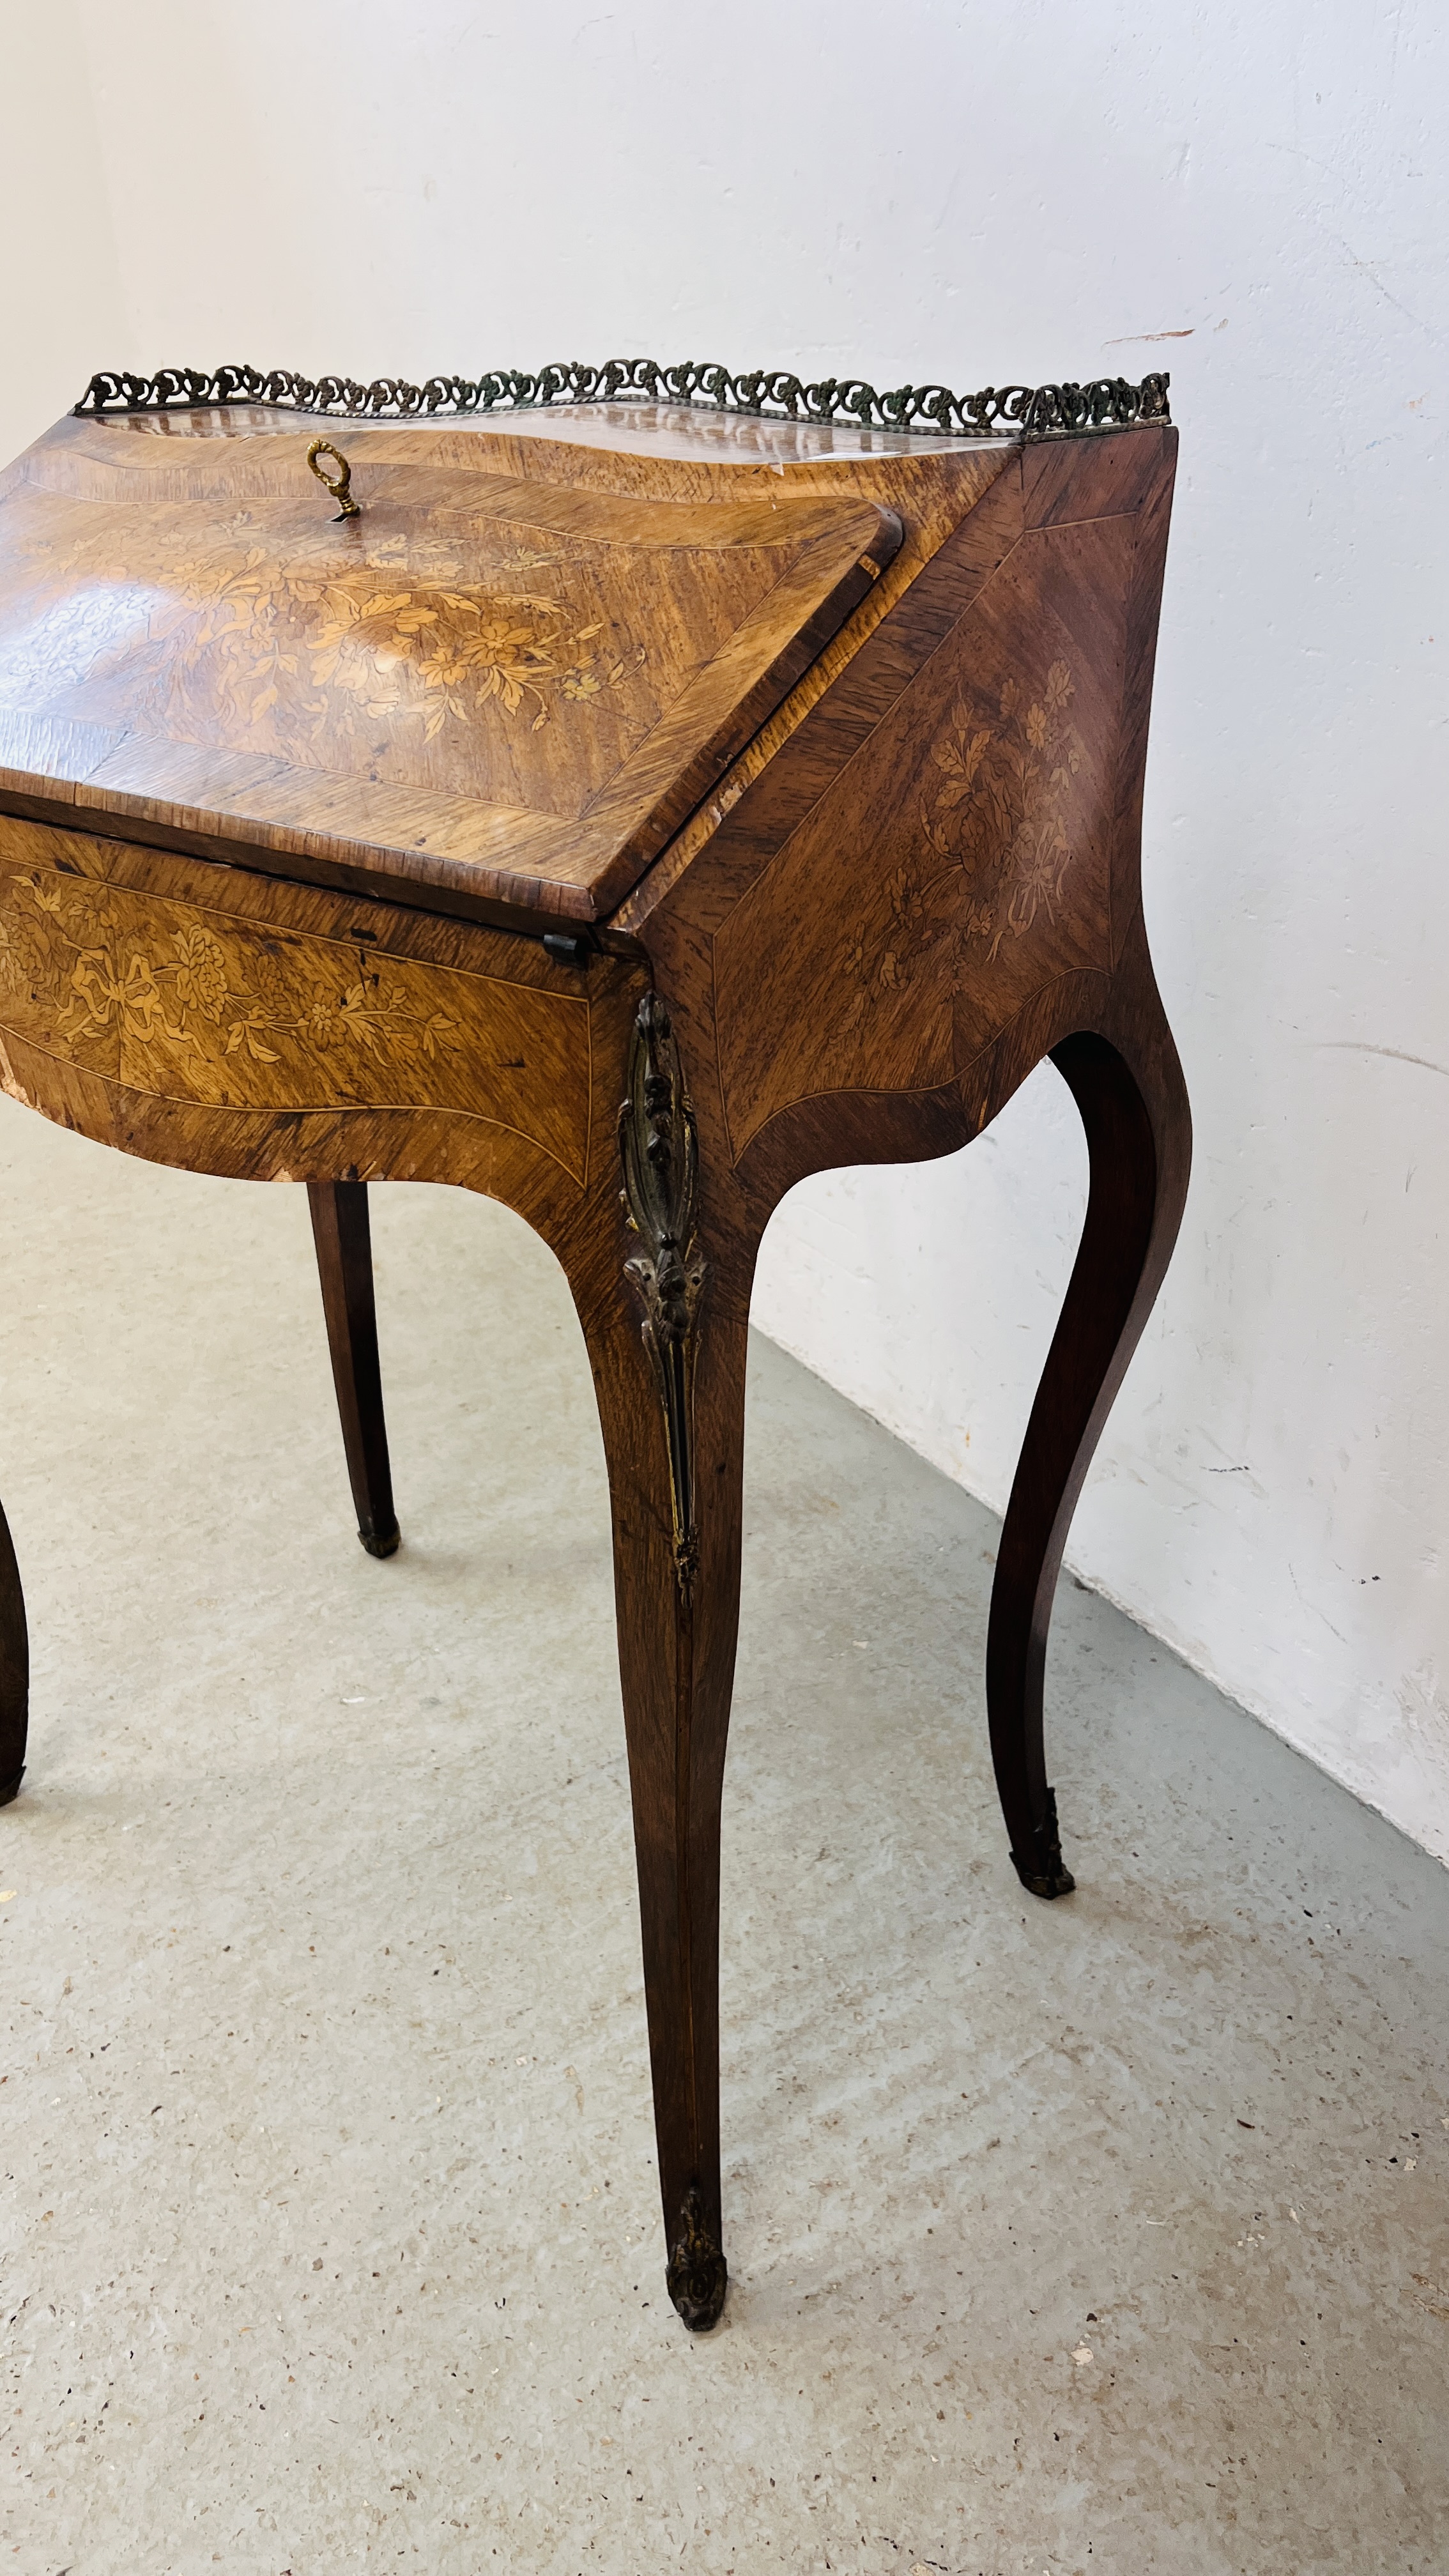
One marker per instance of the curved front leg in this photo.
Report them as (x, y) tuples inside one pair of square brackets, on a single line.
[(1129, 1089), (677, 1629), (14, 1670), (665, 1317)]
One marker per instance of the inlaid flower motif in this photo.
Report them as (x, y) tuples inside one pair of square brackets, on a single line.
[(306, 655), (67, 947), (24, 955), (319, 1022), (994, 832), (198, 977)]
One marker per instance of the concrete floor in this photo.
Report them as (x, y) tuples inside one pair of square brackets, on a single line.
[(1111, 2235)]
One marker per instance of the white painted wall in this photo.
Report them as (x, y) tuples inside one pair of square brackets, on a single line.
[(60, 288), (969, 193)]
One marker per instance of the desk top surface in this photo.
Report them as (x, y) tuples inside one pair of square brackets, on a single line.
[(506, 683)]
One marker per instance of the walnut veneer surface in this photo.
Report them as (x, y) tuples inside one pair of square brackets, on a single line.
[(492, 681), (818, 756)]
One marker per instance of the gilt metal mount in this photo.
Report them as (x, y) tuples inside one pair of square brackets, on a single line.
[(659, 1150), (767, 393)]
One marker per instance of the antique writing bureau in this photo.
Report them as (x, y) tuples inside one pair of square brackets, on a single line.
[(624, 793)]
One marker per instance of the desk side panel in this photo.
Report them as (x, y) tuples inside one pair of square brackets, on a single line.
[(973, 858)]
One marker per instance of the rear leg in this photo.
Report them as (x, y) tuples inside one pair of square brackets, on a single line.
[(343, 1235), (14, 1671), (1133, 1103)]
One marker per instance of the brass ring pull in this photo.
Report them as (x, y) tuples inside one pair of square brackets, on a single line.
[(339, 485)]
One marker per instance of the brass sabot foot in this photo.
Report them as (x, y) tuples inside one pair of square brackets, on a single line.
[(697, 2274), (1044, 1872)]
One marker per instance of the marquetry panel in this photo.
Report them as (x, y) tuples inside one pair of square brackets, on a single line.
[(498, 685), (187, 1001), (961, 860)]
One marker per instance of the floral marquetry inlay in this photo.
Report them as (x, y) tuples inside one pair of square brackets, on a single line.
[(513, 685), (994, 815), (300, 657), (210, 1009), (999, 813), (421, 655), (981, 830)]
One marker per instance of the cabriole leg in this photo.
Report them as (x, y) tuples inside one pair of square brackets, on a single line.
[(677, 1598), (1133, 1103), (14, 1670), (343, 1236), (666, 1326)]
